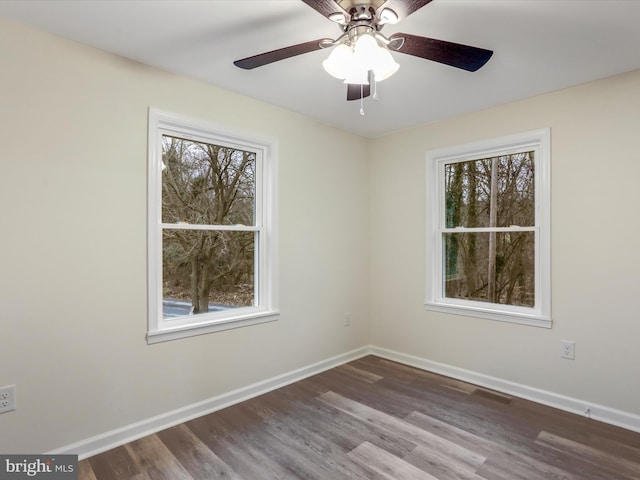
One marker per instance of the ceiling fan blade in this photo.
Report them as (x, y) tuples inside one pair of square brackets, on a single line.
[(403, 8), (326, 7), (356, 91), (453, 54), (279, 54)]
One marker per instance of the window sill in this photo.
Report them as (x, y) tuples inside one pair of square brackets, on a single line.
[(520, 318), (184, 331)]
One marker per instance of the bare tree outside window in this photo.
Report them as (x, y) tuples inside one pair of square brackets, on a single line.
[(489, 243), (208, 196)]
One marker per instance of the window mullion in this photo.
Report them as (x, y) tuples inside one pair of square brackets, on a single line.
[(228, 228), (488, 229)]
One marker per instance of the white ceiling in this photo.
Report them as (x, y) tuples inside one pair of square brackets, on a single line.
[(539, 46)]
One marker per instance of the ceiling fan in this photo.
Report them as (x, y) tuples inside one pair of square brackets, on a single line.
[(361, 54)]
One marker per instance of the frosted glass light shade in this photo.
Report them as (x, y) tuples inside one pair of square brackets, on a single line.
[(339, 61), (366, 49), (385, 65)]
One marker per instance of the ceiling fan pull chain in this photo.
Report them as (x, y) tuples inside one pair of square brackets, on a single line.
[(362, 100)]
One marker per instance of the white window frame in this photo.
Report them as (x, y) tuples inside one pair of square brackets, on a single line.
[(540, 314), (266, 310)]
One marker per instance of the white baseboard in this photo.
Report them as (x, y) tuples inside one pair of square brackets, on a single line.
[(620, 418), (114, 438)]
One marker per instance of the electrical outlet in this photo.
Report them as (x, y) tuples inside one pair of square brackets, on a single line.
[(568, 349), (347, 319), (7, 398)]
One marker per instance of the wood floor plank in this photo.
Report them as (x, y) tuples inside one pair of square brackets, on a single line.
[(247, 451), (360, 374), (615, 447), (154, 458), (439, 466), (492, 395), (512, 462), (386, 465), (315, 456), (617, 465), (403, 394), (496, 468), (116, 464), (457, 455), (195, 456), (85, 471), (413, 373), (347, 431), (486, 419)]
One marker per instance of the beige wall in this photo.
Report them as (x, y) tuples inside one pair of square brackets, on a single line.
[(595, 170), (73, 134)]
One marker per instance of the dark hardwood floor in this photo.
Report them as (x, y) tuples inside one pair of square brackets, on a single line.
[(376, 419)]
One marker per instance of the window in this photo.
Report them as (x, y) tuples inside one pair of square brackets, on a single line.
[(211, 228), (488, 229)]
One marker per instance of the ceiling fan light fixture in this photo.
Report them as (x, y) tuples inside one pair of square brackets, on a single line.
[(385, 65), (339, 61)]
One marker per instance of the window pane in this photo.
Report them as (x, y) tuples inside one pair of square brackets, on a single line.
[(204, 271), (477, 269), (207, 184), (467, 194), (468, 191)]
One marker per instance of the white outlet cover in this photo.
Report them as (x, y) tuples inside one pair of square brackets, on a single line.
[(567, 349), (7, 398)]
